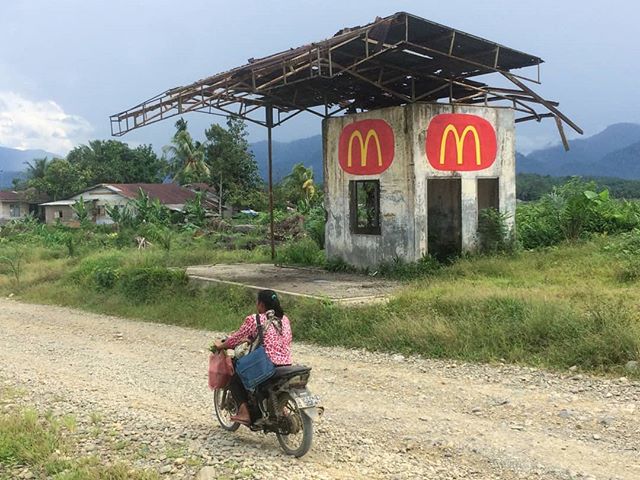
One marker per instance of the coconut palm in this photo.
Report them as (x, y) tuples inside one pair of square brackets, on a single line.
[(187, 157), (38, 168)]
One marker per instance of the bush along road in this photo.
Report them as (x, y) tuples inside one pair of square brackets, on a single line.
[(135, 394)]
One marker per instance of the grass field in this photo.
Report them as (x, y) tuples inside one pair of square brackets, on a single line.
[(575, 303)]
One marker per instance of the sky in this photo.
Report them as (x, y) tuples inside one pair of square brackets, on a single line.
[(67, 65)]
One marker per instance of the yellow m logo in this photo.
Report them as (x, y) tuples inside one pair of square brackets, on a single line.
[(364, 147), (459, 143)]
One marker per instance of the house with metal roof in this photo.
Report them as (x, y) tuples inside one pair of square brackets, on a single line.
[(104, 195)]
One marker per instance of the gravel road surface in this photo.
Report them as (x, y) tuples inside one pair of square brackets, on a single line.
[(138, 391)]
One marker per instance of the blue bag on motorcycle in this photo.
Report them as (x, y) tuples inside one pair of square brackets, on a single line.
[(255, 367)]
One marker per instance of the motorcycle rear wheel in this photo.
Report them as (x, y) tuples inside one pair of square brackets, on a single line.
[(298, 442), (225, 406)]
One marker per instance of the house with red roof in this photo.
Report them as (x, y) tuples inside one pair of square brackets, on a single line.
[(101, 196)]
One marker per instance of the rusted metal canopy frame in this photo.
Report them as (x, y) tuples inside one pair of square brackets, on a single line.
[(259, 83), (311, 76)]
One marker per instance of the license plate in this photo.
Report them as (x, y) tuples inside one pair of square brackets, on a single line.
[(307, 400)]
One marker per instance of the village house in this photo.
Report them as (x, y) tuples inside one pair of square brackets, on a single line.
[(104, 195), (17, 205)]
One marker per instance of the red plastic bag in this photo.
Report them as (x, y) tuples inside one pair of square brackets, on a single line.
[(220, 370)]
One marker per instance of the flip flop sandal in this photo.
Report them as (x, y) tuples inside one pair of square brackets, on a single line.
[(241, 421)]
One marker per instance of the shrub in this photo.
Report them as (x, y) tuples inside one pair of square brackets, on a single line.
[(338, 264), (572, 211), (301, 252), (401, 270), (144, 284), (493, 233), (14, 260), (97, 269), (314, 224), (105, 277)]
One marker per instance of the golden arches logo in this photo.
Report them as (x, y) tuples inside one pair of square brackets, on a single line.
[(461, 128), (364, 147), (460, 139), (366, 138)]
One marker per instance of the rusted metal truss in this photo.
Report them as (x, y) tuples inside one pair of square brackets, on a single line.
[(397, 60)]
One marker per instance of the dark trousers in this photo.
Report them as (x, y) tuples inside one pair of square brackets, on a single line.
[(237, 389)]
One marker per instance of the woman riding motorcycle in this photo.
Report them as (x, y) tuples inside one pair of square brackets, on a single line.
[(277, 344)]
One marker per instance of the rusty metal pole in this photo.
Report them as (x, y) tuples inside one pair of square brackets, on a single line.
[(269, 112)]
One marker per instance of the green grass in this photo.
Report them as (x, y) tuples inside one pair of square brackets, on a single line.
[(570, 304), (44, 444)]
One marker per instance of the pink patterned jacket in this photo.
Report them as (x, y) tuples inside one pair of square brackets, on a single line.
[(277, 344)]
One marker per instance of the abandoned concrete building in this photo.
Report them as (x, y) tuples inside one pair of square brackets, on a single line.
[(416, 143), (405, 181)]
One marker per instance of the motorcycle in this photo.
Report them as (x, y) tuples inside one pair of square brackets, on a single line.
[(282, 405)]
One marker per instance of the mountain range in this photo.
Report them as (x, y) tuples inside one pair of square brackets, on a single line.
[(614, 152), (12, 163)]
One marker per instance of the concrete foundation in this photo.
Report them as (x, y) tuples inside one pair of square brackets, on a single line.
[(434, 171)]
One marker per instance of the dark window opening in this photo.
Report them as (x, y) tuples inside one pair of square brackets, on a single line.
[(14, 210), (488, 194), (365, 206)]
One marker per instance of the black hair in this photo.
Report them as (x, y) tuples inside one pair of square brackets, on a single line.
[(271, 301)]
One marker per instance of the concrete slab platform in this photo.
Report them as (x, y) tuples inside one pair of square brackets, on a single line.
[(344, 288)]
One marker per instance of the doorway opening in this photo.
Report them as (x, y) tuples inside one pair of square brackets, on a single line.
[(444, 222)]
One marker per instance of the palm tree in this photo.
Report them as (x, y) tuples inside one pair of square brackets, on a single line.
[(38, 168), (187, 156)]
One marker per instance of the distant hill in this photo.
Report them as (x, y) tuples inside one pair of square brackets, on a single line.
[(613, 152), (6, 178), (286, 154), (12, 159), (12, 163)]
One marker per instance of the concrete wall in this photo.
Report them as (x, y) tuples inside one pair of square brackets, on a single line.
[(396, 197), (5, 211), (502, 119), (403, 185), (68, 217)]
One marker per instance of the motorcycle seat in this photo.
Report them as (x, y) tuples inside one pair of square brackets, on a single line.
[(290, 371)]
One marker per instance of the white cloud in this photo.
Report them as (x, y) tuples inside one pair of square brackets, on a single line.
[(28, 124)]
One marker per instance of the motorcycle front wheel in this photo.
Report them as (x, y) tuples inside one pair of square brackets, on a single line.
[(300, 427), (225, 406)]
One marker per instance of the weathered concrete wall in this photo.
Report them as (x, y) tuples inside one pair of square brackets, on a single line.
[(502, 120), (403, 185), (68, 216), (396, 197)]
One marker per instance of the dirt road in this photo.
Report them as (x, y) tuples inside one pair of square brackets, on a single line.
[(386, 416)]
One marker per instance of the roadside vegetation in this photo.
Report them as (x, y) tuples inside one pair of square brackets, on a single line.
[(562, 292), (41, 445)]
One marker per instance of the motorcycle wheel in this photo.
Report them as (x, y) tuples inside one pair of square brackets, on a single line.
[(298, 442), (225, 406)]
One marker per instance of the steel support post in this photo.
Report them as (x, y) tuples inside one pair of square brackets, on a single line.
[(269, 121)]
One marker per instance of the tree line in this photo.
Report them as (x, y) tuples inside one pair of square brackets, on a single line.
[(531, 186), (224, 160)]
